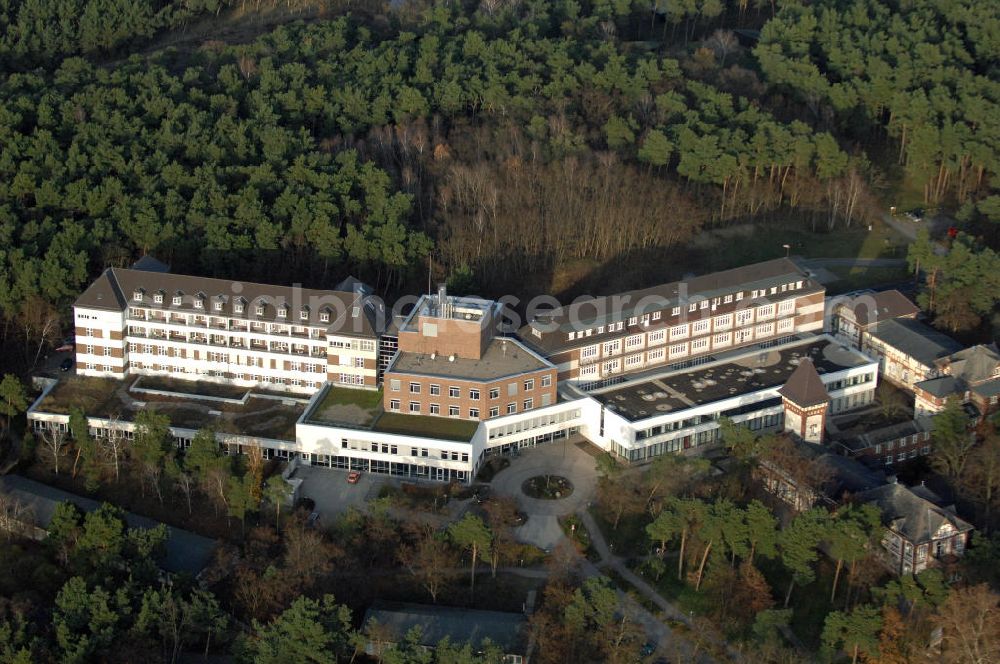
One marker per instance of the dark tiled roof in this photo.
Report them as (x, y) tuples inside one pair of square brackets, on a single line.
[(509, 631), (350, 313), (915, 518), (804, 387), (940, 387), (915, 339), (150, 264), (875, 436), (990, 388), (185, 551), (885, 305)]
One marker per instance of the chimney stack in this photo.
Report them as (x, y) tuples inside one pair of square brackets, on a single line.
[(442, 301)]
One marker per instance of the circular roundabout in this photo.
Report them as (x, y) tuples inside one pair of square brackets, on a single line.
[(547, 487)]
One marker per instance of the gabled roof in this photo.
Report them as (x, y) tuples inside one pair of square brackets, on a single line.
[(939, 387), (973, 365), (356, 314), (915, 339), (915, 518), (804, 387), (871, 308)]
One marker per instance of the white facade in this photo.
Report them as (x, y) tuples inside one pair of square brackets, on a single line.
[(216, 347)]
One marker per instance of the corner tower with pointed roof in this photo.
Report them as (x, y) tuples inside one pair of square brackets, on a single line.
[(806, 402)]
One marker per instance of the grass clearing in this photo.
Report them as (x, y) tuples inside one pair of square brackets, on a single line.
[(856, 278)]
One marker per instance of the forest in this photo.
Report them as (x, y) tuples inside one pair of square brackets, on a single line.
[(498, 139)]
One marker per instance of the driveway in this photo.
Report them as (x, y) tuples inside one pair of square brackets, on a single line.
[(566, 458), (329, 489)]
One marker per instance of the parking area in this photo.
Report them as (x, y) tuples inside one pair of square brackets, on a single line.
[(330, 490)]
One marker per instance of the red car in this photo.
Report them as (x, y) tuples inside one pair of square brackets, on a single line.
[(353, 477)]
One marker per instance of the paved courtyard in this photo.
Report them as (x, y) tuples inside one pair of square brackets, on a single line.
[(329, 489), (567, 458)]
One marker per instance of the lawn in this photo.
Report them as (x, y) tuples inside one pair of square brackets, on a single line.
[(856, 278), (426, 425), (341, 405), (731, 247), (96, 396), (192, 388)]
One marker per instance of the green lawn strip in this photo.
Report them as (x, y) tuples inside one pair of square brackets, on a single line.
[(426, 426)]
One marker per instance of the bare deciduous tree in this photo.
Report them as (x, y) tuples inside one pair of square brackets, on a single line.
[(54, 439), (722, 43)]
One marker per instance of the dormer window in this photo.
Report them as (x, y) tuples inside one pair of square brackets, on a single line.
[(218, 305), (304, 313), (238, 306), (260, 310), (137, 295), (178, 298), (199, 301), (158, 297), (355, 312), (324, 316), (283, 311)]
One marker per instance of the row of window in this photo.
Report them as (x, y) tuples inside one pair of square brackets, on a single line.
[(764, 311), (239, 306), (903, 456), (680, 350), (414, 408), (392, 448), (273, 380), (455, 392), (656, 337)]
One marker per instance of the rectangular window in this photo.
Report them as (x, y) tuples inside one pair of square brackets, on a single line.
[(676, 311), (474, 413), (453, 411), (414, 406), (612, 347), (528, 404), (700, 327), (494, 411), (435, 408), (656, 315), (678, 350), (633, 320), (699, 345), (529, 384), (474, 395), (414, 388), (511, 408), (394, 404), (454, 392), (494, 393), (655, 355), (633, 341), (588, 352), (435, 390), (546, 381)]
